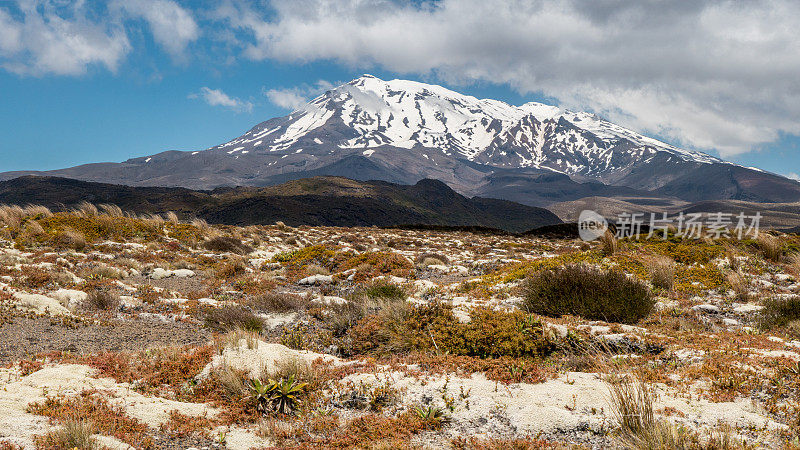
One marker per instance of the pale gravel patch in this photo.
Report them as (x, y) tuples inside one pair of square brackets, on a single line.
[(263, 357), (17, 392), (574, 401)]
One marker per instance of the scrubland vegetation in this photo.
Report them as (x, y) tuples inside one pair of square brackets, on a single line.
[(147, 332)]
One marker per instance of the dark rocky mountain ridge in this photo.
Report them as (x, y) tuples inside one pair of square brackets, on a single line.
[(332, 201)]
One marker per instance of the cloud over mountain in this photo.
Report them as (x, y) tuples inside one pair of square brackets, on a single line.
[(710, 74), (216, 97)]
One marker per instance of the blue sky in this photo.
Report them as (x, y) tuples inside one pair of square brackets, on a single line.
[(105, 81)]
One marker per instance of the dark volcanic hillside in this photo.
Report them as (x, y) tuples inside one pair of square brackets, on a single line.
[(332, 201)]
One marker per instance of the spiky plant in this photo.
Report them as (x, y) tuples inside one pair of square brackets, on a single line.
[(432, 416), (285, 394), (282, 396), (261, 394)]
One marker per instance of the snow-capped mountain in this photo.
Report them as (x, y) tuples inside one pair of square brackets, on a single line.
[(404, 131), (369, 113)]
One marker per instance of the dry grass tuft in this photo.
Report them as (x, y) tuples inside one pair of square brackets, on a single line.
[(86, 209), (779, 312), (11, 215), (278, 302), (770, 246), (112, 210), (731, 254), (662, 271), (793, 261), (739, 285), (431, 259), (230, 269), (75, 434), (102, 272), (227, 244), (101, 300), (71, 239), (201, 224), (608, 243), (314, 269), (232, 339), (228, 318)]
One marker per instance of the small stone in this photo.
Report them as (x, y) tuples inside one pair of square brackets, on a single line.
[(183, 273), (747, 308), (315, 280), (159, 273), (706, 308)]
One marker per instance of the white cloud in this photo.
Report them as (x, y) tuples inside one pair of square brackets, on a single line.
[(290, 98), (712, 74), (66, 37), (44, 39), (294, 98), (215, 97), (173, 27), (793, 176)]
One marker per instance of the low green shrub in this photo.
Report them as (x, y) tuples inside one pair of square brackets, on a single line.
[(588, 292), (779, 312), (227, 244), (434, 328), (383, 290), (228, 318)]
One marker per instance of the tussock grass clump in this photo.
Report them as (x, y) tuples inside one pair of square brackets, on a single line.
[(11, 215), (111, 210), (85, 209), (172, 217), (738, 284), (314, 269), (608, 244), (278, 302), (662, 272), (228, 318), (770, 246), (587, 292), (793, 261), (75, 434), (779, 312), (732, 255), (227, 244), (102, 272), (101, 300), (69, 238), (230, 269), (431, 259)]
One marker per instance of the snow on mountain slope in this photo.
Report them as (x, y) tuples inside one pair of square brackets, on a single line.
[(368, 113), (404, 131)]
